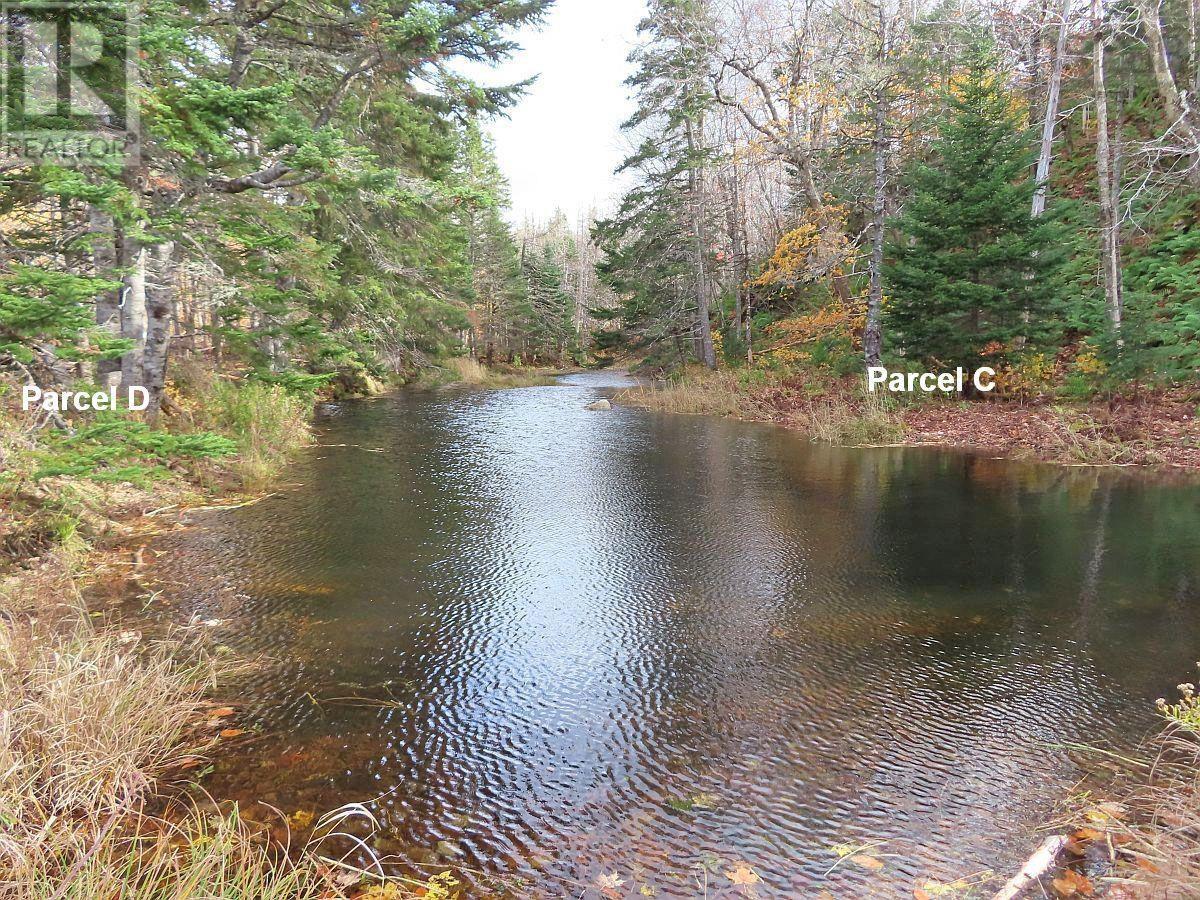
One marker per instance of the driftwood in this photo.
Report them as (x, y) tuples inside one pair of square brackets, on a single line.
[(1034, 868)]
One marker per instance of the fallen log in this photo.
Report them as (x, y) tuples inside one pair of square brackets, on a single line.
[(1035, 867)]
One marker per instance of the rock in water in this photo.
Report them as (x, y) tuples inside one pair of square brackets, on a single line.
[(599, 405)]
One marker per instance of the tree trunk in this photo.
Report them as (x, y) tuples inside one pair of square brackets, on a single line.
[(1178, 103), (1110, 225), (1194, 46), (133, 314), (160, 309), (1050, 122), (108, 313), (873, 332), (704, 342)]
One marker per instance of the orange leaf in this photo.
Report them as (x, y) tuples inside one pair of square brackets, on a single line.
[(232, 732), (1071, 884), (742, 874), (223, 711), (867, 862)]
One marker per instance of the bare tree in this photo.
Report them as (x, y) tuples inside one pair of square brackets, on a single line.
[(1110, 223)]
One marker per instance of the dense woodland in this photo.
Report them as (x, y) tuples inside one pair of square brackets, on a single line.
[(836, 182), (315, 202), (815, 184)]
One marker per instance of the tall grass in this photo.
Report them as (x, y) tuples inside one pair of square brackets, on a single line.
[(470, 371), (829, 416), (204, 857), (863, 420), (700, 392), (90, 723), (268, 423)]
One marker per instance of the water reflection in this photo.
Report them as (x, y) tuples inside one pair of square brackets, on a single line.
[(561, 643)]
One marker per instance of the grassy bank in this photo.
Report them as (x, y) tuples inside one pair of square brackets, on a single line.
[(1132, 832), (470, 372), (103, 731), (1162, 429)]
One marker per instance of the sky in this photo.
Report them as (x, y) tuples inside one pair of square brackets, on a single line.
[(560, 145)]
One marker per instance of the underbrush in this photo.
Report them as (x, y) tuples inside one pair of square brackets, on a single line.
[(1077, 437), (266, 422), (697, 392), (856, 421), (467, 370)]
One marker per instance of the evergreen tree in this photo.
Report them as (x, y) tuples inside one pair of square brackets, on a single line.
[(972, 271), (496, 277), (546, 313), (658, 243)]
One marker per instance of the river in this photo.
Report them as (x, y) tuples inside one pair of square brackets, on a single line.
[(661, 650)]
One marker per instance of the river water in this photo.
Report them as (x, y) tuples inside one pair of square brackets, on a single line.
[(662, 650)]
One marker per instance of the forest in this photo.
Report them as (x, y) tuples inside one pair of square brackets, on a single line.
[(403, 584), (938, 184)]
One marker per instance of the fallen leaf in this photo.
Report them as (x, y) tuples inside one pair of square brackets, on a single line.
[(232, 732), (1142, 863), (867, 862), (1071, 884), (741, 873), (301, 819), (919, 894), (222, 712), (610, 885)]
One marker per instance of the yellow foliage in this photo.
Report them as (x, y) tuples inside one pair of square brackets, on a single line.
[(815, 248), (834, 320), (1027, 377), (1089, 363)]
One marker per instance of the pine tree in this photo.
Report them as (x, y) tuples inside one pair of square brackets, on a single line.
[(658, 242), (972, 271)]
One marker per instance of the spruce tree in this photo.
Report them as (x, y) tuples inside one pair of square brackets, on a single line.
[(971, 271)]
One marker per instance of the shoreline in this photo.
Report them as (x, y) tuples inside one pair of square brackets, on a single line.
[(116, 562), (1155, 435)]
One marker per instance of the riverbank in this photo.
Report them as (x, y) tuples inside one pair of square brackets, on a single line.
[(1161, 430), (108, 727)]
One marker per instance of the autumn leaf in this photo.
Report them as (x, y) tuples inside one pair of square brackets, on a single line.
[(222, 712), (742, 874), (301, 819), (867, 862), (232, 732), (921, 894), (1071, 884), (610, 885)]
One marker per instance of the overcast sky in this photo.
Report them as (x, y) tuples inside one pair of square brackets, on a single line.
[(560, 145)]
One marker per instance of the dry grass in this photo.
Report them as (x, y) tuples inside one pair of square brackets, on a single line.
[(1078, 438), (700, 392), (855, 422), (90, 721), (1150, 837), (833, 417), (470, 371)]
